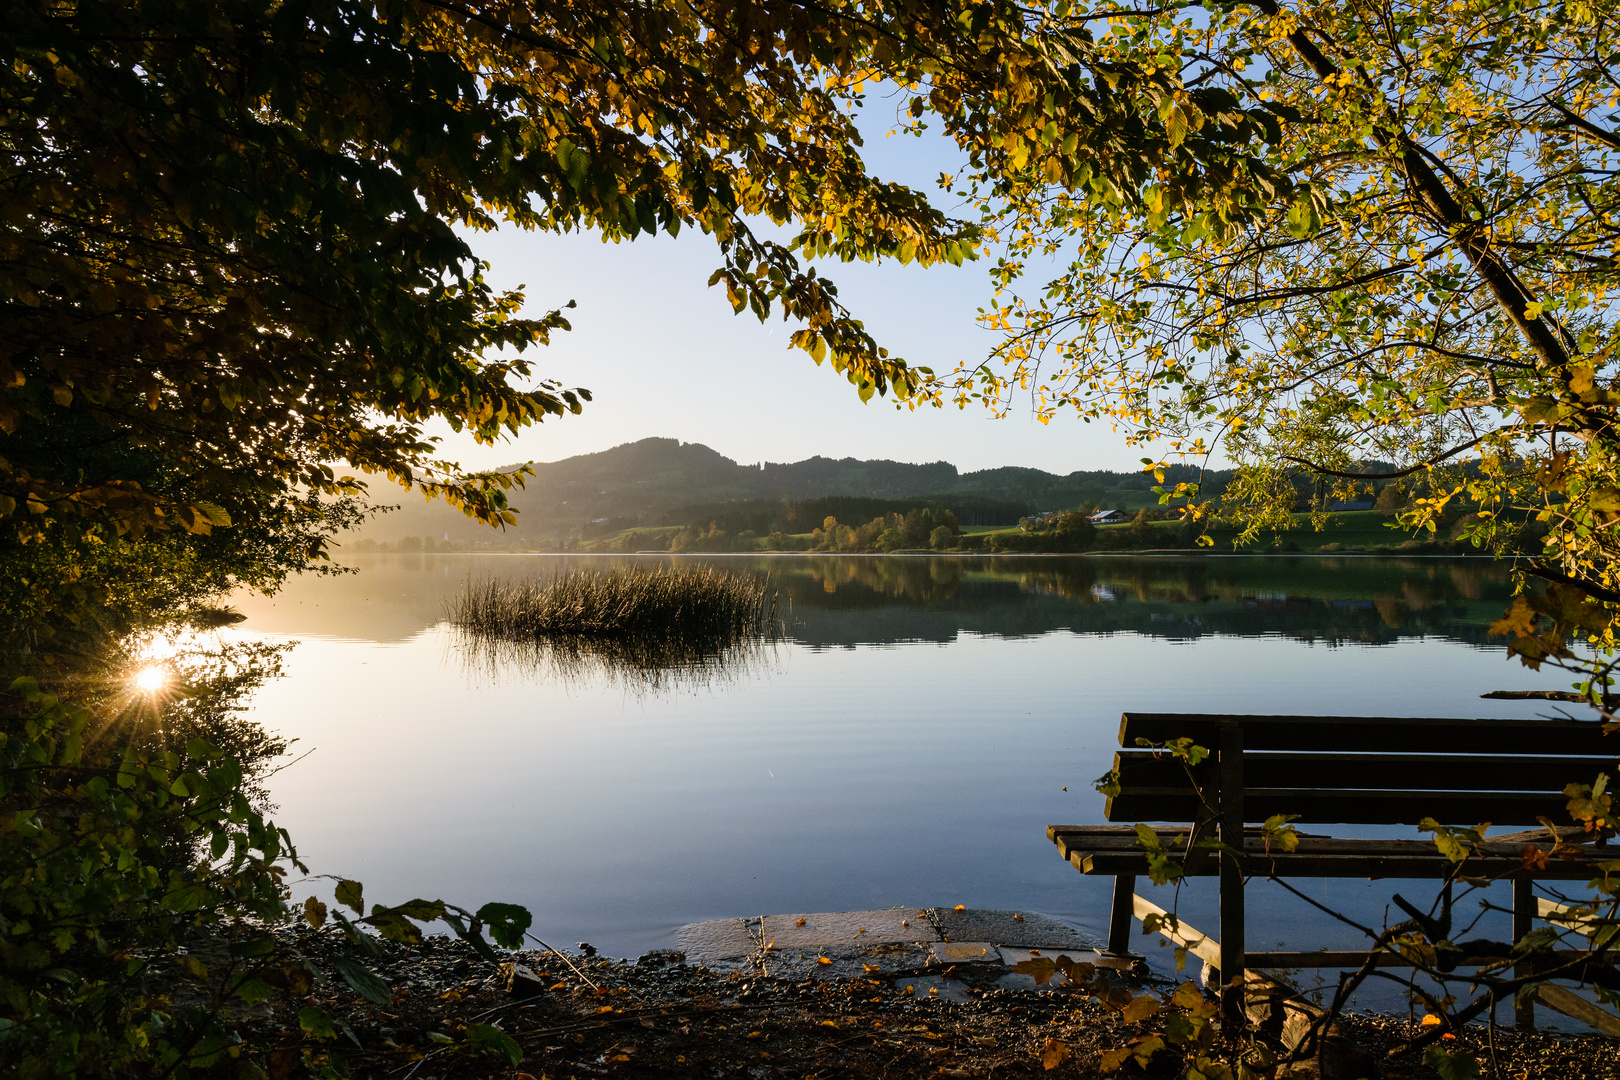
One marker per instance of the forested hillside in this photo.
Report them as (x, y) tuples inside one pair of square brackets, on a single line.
[(667, 482)]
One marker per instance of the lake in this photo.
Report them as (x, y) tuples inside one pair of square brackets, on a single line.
[(907, 742)]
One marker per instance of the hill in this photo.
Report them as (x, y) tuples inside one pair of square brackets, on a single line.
[(667, 482)]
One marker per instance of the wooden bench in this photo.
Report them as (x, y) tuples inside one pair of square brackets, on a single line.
[(1354, 770)]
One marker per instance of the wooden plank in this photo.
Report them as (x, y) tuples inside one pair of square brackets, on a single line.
[(1417, 772), (1079, 839), (1194, 941), (1052, 831), (1572, 1005), (1347, 807), (1323, 958), (1336, 866), (1418, 735), (1558, 915)]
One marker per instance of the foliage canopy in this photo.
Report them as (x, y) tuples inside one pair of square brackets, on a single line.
[(1412, 264), (236, 230)]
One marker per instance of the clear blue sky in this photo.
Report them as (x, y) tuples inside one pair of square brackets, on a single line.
[(664, 355)]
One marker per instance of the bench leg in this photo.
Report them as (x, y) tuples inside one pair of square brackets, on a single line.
[(1120, 915), (1232, 959), (1231, 821), (1524, 913)]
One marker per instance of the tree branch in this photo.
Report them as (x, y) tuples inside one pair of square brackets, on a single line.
[(1322, 470)]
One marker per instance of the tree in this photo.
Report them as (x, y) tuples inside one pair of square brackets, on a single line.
[(1413, 262), (235, 241)]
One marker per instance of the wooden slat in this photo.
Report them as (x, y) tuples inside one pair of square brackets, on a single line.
[(1338, 866), (1194, 941), (1283, 958), (1357, 808), (1556, 997), (1418, 772), (1559, 915), (1418, 735), (1129, 831), (1078, 838)]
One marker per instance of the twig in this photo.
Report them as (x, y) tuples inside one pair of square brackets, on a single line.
[(565, 959)]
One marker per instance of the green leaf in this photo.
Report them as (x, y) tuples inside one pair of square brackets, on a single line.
[(494, 1040), (348, 894), (316, 1024), (314, 913), (506, 923), (255, 990), (363, 979), (1460, 1065), (1303, 220)]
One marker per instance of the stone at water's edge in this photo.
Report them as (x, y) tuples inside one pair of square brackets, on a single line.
[(1009, 928), (721, 939), (964, 952), (847, 928), (843, 944)]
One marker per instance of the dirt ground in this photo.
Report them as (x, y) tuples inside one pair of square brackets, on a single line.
[(659, 1017)]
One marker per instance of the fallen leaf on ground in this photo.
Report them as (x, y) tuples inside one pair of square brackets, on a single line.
[(822, 960), (1053, 1054)]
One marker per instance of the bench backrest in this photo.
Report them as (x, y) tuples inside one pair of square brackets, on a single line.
[(1363, 769)]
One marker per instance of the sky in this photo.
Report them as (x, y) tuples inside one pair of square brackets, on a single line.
[(663, 354)]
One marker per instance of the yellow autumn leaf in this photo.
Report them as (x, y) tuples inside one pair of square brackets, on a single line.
[(1053, 1054), (1139, 1009)]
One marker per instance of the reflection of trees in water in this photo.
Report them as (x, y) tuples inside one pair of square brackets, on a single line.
[(849, 600), (898, 577), (640, 665)]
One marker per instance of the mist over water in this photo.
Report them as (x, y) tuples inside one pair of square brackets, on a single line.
[(905, 742)]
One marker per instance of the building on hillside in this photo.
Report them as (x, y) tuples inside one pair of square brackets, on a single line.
[(1360, 504), (1109, 517)]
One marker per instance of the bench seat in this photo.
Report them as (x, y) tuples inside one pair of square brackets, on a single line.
[(1339, 770), (1110, 850)]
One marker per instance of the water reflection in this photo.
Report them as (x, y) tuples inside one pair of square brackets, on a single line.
[(638, 666), (842, 602), (1326, 600)]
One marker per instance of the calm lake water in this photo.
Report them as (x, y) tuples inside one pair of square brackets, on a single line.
[(907, 744)]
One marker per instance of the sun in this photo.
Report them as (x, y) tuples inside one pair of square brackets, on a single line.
[(151, 679)]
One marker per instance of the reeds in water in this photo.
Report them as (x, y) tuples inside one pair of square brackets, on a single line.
[(653, 627), (699, 603)]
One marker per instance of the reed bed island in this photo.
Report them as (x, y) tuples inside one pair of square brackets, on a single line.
[(622, 602), (650, 624)]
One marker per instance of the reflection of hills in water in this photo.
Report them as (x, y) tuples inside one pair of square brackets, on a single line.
[(853, 601), (846, 601)]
